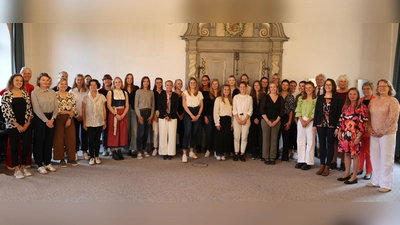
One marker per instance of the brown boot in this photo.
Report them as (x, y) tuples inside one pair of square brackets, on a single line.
[(321, 169), (326, 171)]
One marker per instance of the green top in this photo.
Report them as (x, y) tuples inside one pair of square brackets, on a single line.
[(305, 108)]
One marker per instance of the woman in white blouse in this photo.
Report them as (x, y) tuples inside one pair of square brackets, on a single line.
[(242, 111), (94, 119), (79, 90), (192, 102), (65, 126), (118, 106)]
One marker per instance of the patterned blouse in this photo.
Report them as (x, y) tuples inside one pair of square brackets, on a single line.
[(290, 104), (68, 103), (8, 113), (351, 122)]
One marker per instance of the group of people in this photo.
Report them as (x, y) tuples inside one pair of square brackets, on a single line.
[(328, 119)]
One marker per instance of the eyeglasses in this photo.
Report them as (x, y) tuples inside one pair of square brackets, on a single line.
[(382, 86)]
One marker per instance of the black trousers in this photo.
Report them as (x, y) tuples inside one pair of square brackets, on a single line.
[(224, 136), (93, 134), (285, 138), (81, 136), (15, 140), (42, 142), (254, 139)]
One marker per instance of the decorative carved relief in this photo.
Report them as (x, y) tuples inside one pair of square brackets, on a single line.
[(234, 29), (192, 64), (275, 63)]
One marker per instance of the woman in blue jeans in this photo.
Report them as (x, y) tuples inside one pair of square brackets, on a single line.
[(326, 117), (144, 108), (192, 102)]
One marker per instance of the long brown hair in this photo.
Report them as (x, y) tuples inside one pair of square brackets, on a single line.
[(347, 102), (75, 85), (256, 96), (131, 86), (304, 94), (229, 95), (211, 92), (10, 84), (196, 89)]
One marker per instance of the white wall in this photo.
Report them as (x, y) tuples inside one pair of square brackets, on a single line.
[(155, 50), (5, 55), (358, 50)]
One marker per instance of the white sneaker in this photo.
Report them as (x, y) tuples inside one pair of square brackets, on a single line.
[(97, 159), (42, 170), (146, 154), (215, 154), (105, 152), (184, 159), (223, 158), (26, 172), (218, 158), (207, 154), (154, 152), (139, 155), (91, 161), (85, 156), (18, 174), (76, 156), (192, 155), (50, 168)]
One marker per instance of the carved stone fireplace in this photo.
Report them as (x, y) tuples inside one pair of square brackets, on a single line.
[(223, 49)]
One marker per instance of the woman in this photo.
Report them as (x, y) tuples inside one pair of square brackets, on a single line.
[(167, 121), (242, 111), (254, 134), (192, 102), (64, 135), (180, 112), (384, 115), (293, 126), (223, 122), (205, 88), (264, 84), (209, 100), (107, 81), (45, 108), (365, 155), (271, 110), (351, 126), (94, 119), (88, 78), (131, 89), (17, 112), (117, 122), (144, 108), (233, 86), (286, 120), (157, 89), (305, 135), (327, 112), (342, 91), (277, 80), (79, 90)]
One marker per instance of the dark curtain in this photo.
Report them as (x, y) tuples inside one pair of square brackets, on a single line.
[(396, 85), (18, 56)]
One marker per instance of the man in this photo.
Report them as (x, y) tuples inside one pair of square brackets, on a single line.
[(245, 78), (320, 80), (61, 74)]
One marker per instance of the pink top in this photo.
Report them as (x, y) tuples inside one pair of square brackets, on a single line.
[(384, 114)]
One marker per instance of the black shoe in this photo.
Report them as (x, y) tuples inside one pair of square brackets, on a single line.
[(343, 178), (235, 158), (299, 165), (272, 162), (360, 172), (351, 182), (333, 166), (267, 161), (262, 159), (367, 177), (241, 157), (306, 167), (169, 157), (342, 167), (285, 159), (134, 155), (129, 153), (115, 155), (119, 152), (164, 157)]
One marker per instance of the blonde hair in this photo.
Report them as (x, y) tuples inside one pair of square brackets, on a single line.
[(391, 92), (84, 88), (196, 89)]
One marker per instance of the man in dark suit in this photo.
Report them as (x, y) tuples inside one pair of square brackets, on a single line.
[(62, 74)]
